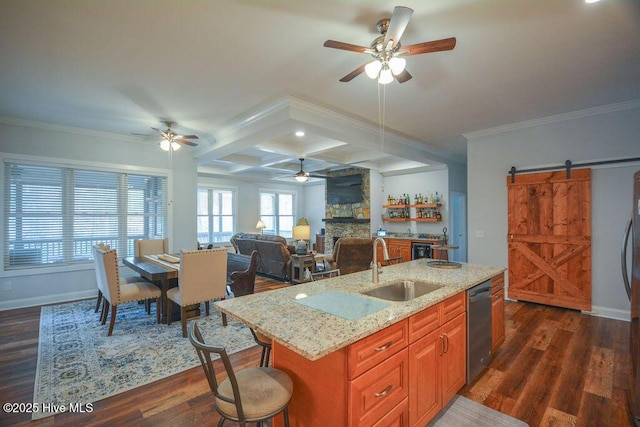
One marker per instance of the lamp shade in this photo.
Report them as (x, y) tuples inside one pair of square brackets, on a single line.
[(301, 232), (260, 225)]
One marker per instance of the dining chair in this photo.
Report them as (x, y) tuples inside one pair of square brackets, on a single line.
[(116, 293), (325, 274), (249, 395), (127, 279), (144, 247), (202, 278)]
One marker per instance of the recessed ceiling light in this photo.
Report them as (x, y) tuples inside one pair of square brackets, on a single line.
[(591, 1), (299, 133)]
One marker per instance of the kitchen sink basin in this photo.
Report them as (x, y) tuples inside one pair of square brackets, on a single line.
[(402, 290)]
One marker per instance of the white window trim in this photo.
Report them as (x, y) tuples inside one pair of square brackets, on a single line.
[(59, 162), (235, 191)]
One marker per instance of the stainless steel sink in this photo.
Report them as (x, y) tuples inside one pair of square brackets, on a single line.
[(402, 290)]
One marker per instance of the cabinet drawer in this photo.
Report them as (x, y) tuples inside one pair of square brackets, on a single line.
[(497, 283), (398, 417), (420, 324), (370, 351), (452, 307), (377, 392)]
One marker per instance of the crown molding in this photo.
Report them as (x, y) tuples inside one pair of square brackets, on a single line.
[(14, 121), (587, 112)]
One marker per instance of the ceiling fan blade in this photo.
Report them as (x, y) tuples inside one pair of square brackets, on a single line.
[(354, 73), (428, 47), (185, 142), (403, 76), (146, 135), (345, 46), (187, 136), (399, 21)]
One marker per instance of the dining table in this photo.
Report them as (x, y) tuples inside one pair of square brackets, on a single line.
[(162, 274)]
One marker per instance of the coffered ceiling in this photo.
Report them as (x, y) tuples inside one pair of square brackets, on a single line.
[(246, 74)]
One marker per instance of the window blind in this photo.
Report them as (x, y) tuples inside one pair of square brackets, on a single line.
[(54, 215)]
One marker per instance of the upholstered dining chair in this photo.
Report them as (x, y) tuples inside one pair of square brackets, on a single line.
[(325, 274), (123, 279), (144, 247), (249, 395), (116, 293), (202, 278)]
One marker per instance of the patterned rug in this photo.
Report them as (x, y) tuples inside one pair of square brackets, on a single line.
[(79, 364)]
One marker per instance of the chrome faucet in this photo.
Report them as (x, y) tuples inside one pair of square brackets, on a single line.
[(376, 265)]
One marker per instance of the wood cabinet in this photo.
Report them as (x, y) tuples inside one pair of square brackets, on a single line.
[(437, 358), (396, 248), (402, 375), (497, 313), (399, 247)]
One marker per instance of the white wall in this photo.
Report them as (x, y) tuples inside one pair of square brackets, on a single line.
[(423, 182), (52, 143), (602, 134)]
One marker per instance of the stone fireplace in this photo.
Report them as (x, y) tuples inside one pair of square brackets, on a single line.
[(348, 219)]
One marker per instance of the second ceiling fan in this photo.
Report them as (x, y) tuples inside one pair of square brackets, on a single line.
[(387, 51), (303, 176)]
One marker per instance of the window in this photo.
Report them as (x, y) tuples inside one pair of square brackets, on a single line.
[(54, 215), (276, 211), (215, 215)]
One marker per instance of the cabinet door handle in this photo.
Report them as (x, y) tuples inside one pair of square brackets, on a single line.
[(446, 341), (385, 347), (385, 391), (442, 342)]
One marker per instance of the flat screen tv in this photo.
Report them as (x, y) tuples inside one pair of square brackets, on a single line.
[(344, 189)]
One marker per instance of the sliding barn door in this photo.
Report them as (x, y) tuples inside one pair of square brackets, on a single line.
[(549, 235)]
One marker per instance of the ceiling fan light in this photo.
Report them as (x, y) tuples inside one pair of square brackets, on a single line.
[(302, 177), (397, 65), (386, 76), (175, 146), (373, 68), (165, 145)]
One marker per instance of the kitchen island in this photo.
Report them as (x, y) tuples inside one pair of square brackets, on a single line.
[(338, 344)]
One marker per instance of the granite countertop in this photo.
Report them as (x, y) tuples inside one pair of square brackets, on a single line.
[(412, 236), (314, 333)]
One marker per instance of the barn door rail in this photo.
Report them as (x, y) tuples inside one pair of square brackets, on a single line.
[(568, 165)]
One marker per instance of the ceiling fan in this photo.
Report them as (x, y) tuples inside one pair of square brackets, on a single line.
[(171, 139), (303, 176), (387, 51)]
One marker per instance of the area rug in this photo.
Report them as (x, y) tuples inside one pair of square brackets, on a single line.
[(463, 412), (79, 364)]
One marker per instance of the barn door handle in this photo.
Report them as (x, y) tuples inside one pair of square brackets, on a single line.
[(623, 256)]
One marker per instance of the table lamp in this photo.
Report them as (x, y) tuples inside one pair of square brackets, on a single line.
[(261, 226), (302, 233)]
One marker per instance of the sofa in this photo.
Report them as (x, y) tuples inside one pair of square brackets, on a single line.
[(350, 255), (274, 254)]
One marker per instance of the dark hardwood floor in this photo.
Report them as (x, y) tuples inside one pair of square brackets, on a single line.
[(556, 368)]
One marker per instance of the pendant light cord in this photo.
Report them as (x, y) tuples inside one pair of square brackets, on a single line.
[(382, 95)]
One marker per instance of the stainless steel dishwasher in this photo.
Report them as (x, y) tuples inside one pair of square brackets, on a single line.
[(478, 329)]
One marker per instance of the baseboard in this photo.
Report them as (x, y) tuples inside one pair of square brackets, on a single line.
[(47, 299), (609, 313), (606, 312)]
